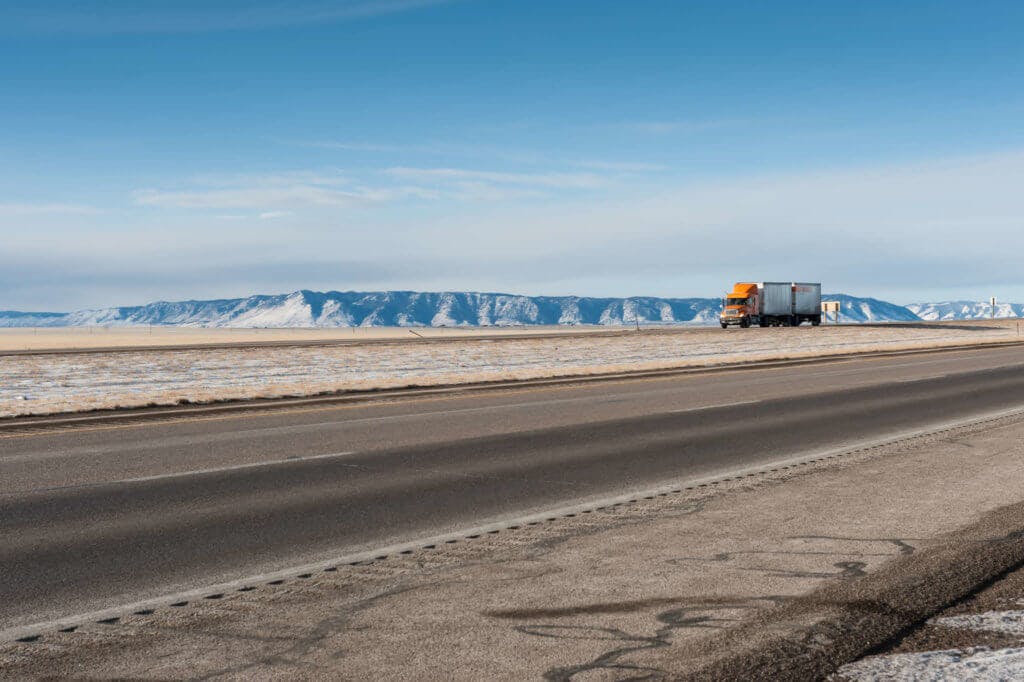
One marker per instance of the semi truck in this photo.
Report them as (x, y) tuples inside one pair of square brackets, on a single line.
[(772, 304)]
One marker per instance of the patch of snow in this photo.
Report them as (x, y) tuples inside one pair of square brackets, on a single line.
[(971, 665), (1009, 622), (332, 314)]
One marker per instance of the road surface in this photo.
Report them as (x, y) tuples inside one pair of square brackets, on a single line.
[(98, 516)]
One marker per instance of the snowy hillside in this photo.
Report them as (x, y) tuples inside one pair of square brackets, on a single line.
[(11, 318), (414, 309), (853, 309), (965, 310)]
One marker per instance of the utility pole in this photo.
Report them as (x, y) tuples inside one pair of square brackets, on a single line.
[(993, 307)]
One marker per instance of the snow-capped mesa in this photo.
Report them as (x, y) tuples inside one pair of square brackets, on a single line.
[(441, 309), (965, 310), (386, 308), (853, 310)]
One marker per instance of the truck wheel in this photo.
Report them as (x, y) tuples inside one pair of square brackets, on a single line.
[(794, 321), (724, 325), (745, 322), (815, 321), (762, 322)]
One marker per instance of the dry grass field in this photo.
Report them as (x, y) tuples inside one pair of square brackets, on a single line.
[(84, 338)]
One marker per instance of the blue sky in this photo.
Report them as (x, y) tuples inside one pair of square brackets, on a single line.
[(174, 149)]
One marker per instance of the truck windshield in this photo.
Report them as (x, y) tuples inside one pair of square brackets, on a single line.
[(735, 301)]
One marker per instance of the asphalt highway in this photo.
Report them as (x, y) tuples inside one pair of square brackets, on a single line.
[(98, 516)]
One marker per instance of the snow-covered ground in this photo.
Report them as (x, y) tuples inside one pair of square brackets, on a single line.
[(78, 381), (970, 663), (978, 664), (165, 336)]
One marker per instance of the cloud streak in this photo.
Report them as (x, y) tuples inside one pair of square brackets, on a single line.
[(248, 197), (457, 175), (486, 152), (679, 127), (270, 194), (621, 166), (106, 17), (21, 209)]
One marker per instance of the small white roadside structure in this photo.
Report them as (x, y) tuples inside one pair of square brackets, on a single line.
[(830, 307)]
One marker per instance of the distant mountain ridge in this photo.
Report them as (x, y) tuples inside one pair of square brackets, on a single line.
[(424, 309), (856, 309), (965, 310)]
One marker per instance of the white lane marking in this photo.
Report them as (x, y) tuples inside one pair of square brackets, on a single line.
[(183, 474), (914, 381), (884, 366), (251, 465), (711, 407), (887, 366)]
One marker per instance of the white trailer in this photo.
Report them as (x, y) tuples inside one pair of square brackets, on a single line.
[(776, 302), (807, 302)]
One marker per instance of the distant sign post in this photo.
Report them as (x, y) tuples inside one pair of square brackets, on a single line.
[(993, 302), (830, 307)]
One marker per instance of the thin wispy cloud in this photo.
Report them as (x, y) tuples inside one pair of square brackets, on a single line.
[(435, 148), (621, 166), (105, 17), (521, 156), (328, 177), (456, 175), (248, 197), (378, 147), (269, 195), (275, 195), (679, 127), (23, 209)]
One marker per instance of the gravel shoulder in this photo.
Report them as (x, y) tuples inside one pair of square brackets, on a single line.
[(813, 564)]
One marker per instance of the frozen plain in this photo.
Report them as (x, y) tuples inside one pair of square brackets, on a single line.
[(73, 381)]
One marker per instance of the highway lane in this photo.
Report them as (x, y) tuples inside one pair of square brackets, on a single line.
[(99, 516), (95, 454)]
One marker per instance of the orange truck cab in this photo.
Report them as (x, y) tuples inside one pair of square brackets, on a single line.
[(741, 305)]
